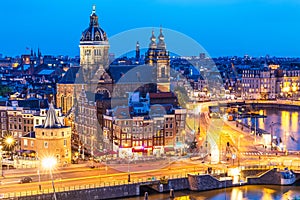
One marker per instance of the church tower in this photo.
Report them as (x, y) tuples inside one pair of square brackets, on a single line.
[(158, 57), (163, 65), (137, 51), (94, 48)]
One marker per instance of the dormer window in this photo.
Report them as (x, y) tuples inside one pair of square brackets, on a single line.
[(97, 36), (88, 36)]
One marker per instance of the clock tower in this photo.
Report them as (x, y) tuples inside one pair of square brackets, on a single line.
[(158, 57), (163, 65), (94, 48)]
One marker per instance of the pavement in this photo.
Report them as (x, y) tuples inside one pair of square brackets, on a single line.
[(9, 173)]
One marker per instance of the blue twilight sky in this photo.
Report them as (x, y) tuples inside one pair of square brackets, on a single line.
[(222, 27)]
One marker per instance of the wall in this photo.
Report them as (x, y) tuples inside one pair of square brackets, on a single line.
[(90, 194), (207, 182), (271, 177), (175, 184)]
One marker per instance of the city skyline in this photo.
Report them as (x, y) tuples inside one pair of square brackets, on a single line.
[(226, 28)]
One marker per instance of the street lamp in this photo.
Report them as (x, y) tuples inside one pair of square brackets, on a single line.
[(129, 156), (1, 160), (9, 142), (239, 142), (92, 150), (49, 163)]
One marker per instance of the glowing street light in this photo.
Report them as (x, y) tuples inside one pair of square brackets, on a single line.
[(9, 140), (1, 160), (49, 163)]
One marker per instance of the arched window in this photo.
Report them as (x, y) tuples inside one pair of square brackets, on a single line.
[(62, 101), (88, 36), (163, 72), (97, 36)]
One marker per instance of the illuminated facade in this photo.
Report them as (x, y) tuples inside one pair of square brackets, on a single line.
[(93, 62), (154, 134), (270, 83), (94, 48), (50, 139), (158, 57)]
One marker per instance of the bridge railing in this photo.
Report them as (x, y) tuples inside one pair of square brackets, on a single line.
[(134, 180), (59, 188)]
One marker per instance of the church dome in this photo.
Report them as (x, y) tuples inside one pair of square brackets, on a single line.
[(93, 32)]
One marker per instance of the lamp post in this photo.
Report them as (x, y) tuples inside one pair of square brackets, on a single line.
[(49, 163), (1, 160), (92, 150), (40, 186), (239, 142), (194, 107), (9, 142), (129, 168), (220, 149)]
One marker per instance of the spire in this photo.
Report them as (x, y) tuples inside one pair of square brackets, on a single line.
[(152, 44), (52, 120), (137, 51), (161, 40), (94, 9), (94, 17)]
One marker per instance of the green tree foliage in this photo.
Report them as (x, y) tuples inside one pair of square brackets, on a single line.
[(4, 90)]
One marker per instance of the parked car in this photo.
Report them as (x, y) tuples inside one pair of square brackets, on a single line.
[(26, 179)]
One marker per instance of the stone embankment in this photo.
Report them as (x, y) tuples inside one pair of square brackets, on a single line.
[(195, 182)]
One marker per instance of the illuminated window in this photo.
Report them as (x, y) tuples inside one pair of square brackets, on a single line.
[(25, 142)]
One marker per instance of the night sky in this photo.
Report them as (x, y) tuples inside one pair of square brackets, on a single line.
[(222, 27)]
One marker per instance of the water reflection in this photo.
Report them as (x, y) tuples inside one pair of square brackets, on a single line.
[(250, 192), (286, 126)]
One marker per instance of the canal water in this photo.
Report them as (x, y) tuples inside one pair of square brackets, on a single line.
[(284, 124), (249, 192)]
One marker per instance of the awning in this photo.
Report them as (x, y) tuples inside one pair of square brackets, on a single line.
[(168, 149), (111, 152), (139, 149), (99, 154)]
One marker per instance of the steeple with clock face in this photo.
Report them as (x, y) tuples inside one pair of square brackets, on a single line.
[(163, 65), (94, 48), (158, 57)]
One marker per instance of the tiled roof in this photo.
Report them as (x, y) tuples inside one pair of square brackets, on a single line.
[(52, 120), (71, 76), (30, 135)]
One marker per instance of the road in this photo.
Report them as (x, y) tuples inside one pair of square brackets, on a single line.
[(84, 176)]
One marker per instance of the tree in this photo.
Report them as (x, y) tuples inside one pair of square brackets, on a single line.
[(5, 91)]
